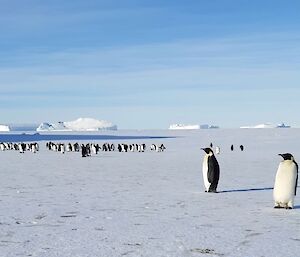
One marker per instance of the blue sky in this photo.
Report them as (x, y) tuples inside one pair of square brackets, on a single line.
[(147, 64)]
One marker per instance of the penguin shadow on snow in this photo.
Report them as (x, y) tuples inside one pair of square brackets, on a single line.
[(246, 190), (296, 207)]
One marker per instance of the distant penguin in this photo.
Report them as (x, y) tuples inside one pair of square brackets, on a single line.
[(62, 148), (286, 182), (217, 150), (83, 151), (211, 145), (211, 171), (21, 149), (33, 148), (93, 149), (242, 148), (231, 147)]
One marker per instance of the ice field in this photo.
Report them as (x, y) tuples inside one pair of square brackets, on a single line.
[(150, 204)]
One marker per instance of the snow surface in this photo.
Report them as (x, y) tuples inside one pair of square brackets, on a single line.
[(4, 128), (81, 124), (150, 204)]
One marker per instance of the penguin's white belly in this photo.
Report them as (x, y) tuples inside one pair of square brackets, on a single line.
[(205, 171), (284, 188)]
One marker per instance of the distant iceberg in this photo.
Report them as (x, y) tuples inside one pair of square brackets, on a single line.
[(59, 126), (260, 126), (267, 125), (81, 124), (182, 126), (282, 125), (4, 128), (207, 126)]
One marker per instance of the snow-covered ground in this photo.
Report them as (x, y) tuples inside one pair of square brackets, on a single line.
[(150, 204)]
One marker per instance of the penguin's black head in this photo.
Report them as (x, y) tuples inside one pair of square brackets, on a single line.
[(286, 156), (207, 150)]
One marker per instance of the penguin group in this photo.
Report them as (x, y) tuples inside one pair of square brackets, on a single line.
[(92, 148), (106, 147), (241, 148), (131, 147), (62, 148), (218, 149), (85, 150), (286, 180), (157, 148), (21, 147)]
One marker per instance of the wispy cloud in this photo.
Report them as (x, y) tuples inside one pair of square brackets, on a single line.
[(224, 63)]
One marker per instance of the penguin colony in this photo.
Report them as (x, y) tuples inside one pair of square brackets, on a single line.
[(85, 149), (286, 180), (21, 147), (92, 148)]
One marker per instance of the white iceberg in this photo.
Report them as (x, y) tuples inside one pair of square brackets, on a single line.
[(59, 126), (89, 124), (207, 126), (4, 128), (264, 125), (260, 126), (282, 125), (182, 126), (81, 124)]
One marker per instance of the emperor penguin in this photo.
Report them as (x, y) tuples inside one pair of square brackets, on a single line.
[(211, 171), (286, 182)]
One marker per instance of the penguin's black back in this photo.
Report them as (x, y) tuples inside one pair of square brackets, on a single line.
[(213, 170), (296, 177)]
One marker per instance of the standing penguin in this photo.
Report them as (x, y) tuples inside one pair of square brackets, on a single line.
[(286, 182), (211, 171)]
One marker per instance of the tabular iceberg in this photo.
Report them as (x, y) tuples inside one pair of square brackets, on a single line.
[(182, 126), (267, 125), (4, 128), (81, 124)]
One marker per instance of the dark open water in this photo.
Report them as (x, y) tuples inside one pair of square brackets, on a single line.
[(27, 137)]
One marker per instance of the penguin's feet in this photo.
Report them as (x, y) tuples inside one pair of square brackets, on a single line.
[(288, 208), (278, 207)]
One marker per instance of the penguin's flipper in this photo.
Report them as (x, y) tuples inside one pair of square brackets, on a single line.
[(296, 184)]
